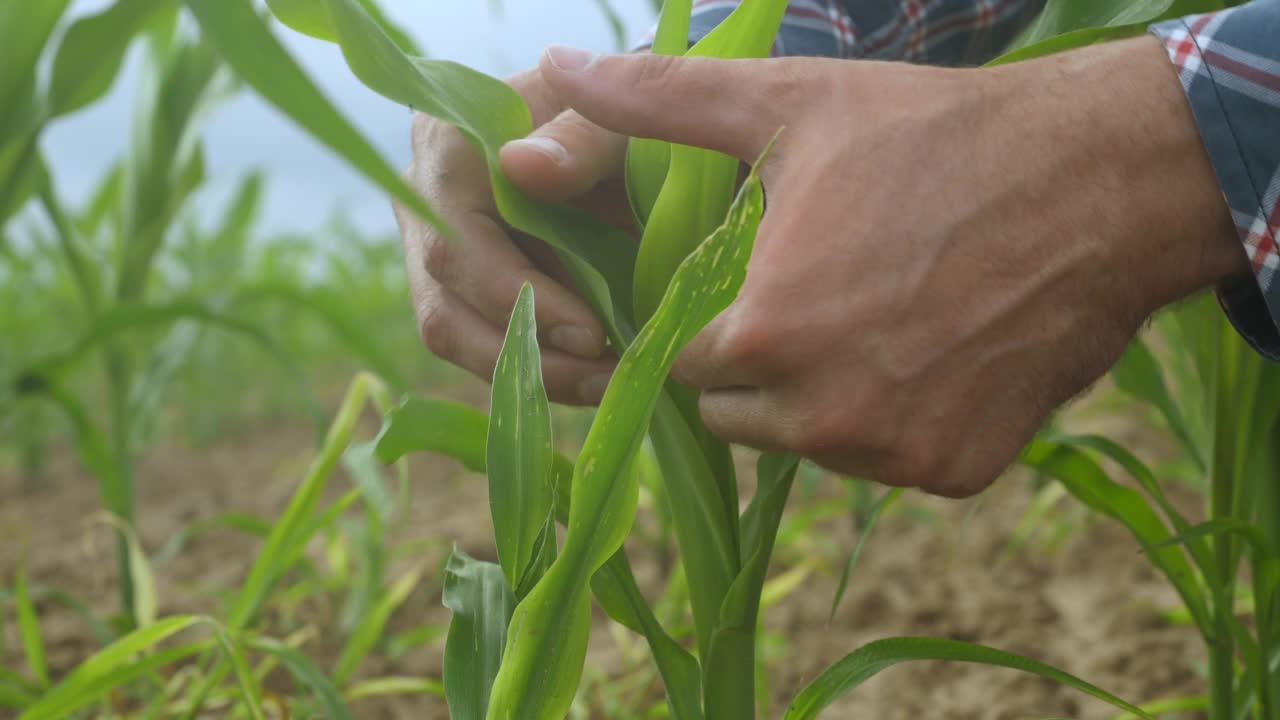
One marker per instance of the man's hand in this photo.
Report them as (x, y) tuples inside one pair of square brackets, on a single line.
[(464, 291), (947, 255)]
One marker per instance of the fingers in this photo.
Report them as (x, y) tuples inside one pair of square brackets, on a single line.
[(486, 270), (454, 331), (724, 355), (564, 158), (724, 105)]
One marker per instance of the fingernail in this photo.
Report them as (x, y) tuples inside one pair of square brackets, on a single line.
[(547, 146), (571, 59), (591, 390), (575, 341)]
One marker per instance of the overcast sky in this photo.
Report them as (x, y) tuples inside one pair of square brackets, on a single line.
[(305, 181)]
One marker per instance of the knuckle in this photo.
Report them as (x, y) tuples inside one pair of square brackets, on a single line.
[(749, 341), (912, 463), (828, 429), (435, 327), (655, 73), (437, 257)]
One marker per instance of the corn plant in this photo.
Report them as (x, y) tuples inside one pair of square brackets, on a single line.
[(1211, 395), (518, 641)]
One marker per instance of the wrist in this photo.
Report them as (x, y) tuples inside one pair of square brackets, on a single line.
[(1139, 166)]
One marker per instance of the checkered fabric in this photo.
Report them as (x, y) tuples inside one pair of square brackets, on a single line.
[(937, 32), (1230, 67), (1229, 62)]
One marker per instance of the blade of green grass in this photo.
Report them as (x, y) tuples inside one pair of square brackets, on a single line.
[(114, 666), (869, 660), (873, 517), (307, 674), (369, 631), (29, 629)]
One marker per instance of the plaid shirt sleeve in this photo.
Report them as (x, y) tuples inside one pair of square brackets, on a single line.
[(937, 32), (1229, 62)]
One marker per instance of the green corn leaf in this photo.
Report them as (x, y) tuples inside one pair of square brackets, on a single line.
[(440, 426), (519, 453), (869, 660), (482, 604), (370, 630), (729, 693), (489, 113), (361, 463), (699, 183), (93, 49), (307, 674), (115, 665), (1147, 479), (704, 523), (1089, 483), (1138, 374), (29, 629), (1068, 41), (145, 595), (1062, 16), (648, 159), (546, 646), (873, 517), (24, 30), (259, 59)]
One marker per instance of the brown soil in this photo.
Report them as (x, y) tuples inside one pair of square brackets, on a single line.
[(933, 567)]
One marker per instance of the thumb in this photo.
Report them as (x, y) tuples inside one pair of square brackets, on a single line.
[(564, 158), (723, 105)]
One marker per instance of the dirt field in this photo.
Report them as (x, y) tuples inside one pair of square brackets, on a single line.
[(1090, 608)]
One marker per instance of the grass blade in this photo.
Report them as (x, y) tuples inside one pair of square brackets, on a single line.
[(369, 631), (307, 674), (249, 690), (114, 666), (873, 517), (867, 661), (29, 629), (384, 686)]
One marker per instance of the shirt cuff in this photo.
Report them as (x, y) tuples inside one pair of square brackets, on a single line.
[(1229, 64)]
